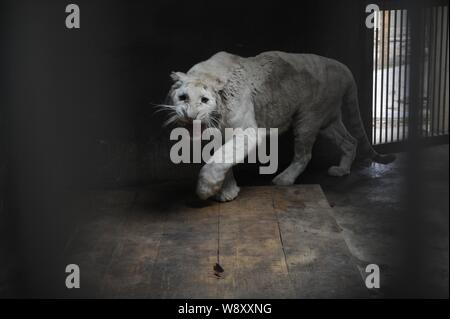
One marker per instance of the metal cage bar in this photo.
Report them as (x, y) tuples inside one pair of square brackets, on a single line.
[(391, 75)]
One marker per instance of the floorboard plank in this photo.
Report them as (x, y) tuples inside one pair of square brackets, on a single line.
[(318, 258), (94, 243), (272, 242)]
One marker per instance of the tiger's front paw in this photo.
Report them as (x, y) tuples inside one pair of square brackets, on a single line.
[(210, 181), (227, 194)]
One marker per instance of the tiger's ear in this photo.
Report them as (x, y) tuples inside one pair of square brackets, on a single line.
[(220, 85), (178, 76), (221, 97)]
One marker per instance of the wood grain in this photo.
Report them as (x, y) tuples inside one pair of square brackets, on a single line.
[(272, 242)]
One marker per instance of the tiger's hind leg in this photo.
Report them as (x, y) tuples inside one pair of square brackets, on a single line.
[(305, 134), (346, 143)]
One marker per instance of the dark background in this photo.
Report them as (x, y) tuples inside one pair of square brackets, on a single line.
[(82, 98), (76, 108)]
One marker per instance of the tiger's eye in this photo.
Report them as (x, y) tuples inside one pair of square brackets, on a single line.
[(205, 100), (182, 97)]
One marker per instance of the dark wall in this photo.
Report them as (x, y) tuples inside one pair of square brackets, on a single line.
[(81, 99)]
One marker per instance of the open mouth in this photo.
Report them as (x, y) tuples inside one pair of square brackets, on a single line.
[(194, 127)]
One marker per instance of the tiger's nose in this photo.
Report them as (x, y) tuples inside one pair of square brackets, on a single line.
[(191, 114)]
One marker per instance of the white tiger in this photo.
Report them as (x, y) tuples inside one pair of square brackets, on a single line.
[(271, 90)]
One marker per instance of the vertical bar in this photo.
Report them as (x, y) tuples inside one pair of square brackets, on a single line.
[(416, 18), (393, 75), (387, 76), (400, 75), (416, 56), (374, 115), (405, 84), (380, 138), (445, 116), (416, 252), (440, 71), (428, 113), (422, 76), (433, 105)]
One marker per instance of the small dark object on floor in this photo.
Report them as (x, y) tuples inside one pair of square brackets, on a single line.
[(218, 269)]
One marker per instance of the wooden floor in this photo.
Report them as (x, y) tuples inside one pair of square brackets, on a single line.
[(272, 242)]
